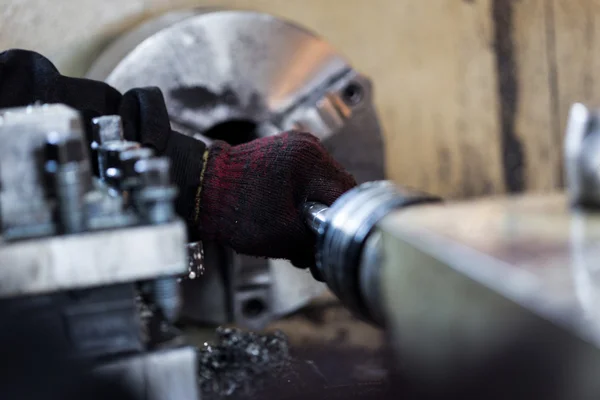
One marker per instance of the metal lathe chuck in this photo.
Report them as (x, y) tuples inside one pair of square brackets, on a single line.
[(347, 250)]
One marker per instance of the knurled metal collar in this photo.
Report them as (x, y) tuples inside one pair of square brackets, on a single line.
[(350, 221)]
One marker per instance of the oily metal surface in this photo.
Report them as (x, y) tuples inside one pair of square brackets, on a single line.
[(218, 66), (536, 244), (486, 285)]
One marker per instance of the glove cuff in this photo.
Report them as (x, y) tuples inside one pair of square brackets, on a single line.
[(185, 154), (213, 203)]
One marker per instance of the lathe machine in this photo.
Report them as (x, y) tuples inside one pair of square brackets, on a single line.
[(494, 297)]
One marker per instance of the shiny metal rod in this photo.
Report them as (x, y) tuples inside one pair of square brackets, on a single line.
[(316, 216)]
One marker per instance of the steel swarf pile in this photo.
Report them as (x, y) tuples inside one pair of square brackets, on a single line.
[(238, 361)]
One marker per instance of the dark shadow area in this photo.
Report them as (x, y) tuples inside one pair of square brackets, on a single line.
[(233, 132)]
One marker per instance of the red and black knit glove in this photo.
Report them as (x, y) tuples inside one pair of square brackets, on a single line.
[(252, 194)]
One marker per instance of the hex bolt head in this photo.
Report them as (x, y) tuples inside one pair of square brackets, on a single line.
[(167, 297), (107, 128)]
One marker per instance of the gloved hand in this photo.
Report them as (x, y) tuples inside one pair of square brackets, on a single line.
[(248, 197), (251, 195)]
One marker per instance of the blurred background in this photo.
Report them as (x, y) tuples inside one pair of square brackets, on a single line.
[(473, 94)]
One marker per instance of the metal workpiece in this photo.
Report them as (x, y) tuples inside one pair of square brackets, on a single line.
[(582, 156), (369, 278), (259, 75), (27, 210), (473, 287), (345, 257)]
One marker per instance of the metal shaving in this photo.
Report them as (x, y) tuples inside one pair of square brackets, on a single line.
[(238, 361)]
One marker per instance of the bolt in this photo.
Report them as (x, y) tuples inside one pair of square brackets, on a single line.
[(155, 197), (107, 128), (65, 161), (104, 129), (165, 292)]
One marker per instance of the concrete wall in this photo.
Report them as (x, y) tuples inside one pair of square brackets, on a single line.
[(473, 94)]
